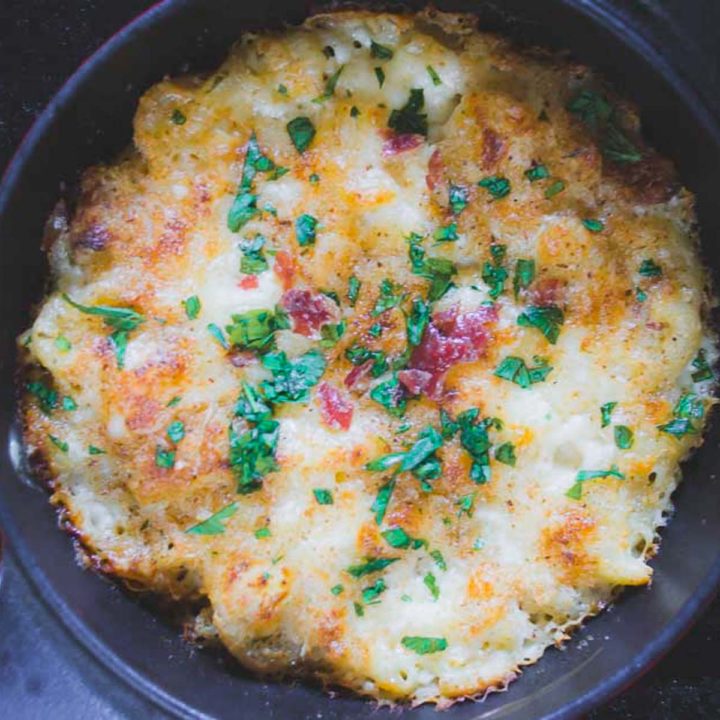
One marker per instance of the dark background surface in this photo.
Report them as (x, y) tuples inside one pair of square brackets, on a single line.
[(43, 673)]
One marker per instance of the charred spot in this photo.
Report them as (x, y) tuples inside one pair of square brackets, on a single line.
[(493, 148), (96, 237)]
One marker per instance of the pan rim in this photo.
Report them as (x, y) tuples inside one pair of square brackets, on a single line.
[(600, 13)]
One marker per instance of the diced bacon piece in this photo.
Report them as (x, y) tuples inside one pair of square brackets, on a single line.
[(395, 144), (284, 268), (415, 381), (241, 358), (308, 312), (335, 408), (357, 374), (452, 337), (547, 291), (493, 148), (436, 168), (249, 282)]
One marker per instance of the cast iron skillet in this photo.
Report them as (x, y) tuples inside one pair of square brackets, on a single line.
[(90, 120)]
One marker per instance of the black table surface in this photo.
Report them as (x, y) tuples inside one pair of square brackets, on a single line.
[(43, 672)]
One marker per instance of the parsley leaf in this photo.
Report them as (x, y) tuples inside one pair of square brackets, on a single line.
[(437, 556), (370, 594), (359, 355), (214, 524), (301, 132), (217, 333), (353, 292), (458, 197), (424, 645), (252, 454), (433, 75), (409, 119), (391, 395), (554, 189), (546, 318), (496, 185), (178, 117), (253, 330), (381, 52), (253, 261), (176, 431), (396, 537), (62, 343), (305, 230), (390, 297), (624, 437), (92, 450), (448, 233), (292, 380), (438, 270), (380, 75), (431, 584), (192, 306), (47, 397), (537, 171), (606, 413), (382, 500), (649, 268), (515, 370), (417, 321), (251, 405), (330, 86), (59, 444), (372, 565), (594, 226), (703, 371), (474, 438), (524, 275), (575, 492), (505, 454), (323, 497), (494, 274), (164, 458)]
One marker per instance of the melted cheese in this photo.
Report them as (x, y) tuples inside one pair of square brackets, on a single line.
[(527, 561)]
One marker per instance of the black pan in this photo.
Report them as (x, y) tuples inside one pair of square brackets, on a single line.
[(90, 120)]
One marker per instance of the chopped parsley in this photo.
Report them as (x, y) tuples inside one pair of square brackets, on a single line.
[(263, 532), (331, 333), (176, 431), (431, 584), (390, 297), (382, 500), (62, 343), (68, 403), (424, 645), (524, 275), (439, 271), (175, 400), (594, 110), (371, 565), (381, 52), (678, 427), (323, 497), (606, 413), (354, 111), (437, 556), (376, 329), (282, 89), (292, 379), (448, 233), (93, 450), (703, 371), (164, 458), (192, 306), (649, 268), (546, 318), (253, 261), (359, 610), (217, 333), (58, 443), (408, 119), (391, 395), (305, 229), (178, 117), (353, 292), (359, 355), (505, 454), (214, 524), (554, 188), (330, 86), (396, 537), (624, 437), (337, 589), (252, 454), (575, 492), (474, 438), (433, 75), (416, 321), (370, 594), (687, 408), (496, 185), (47, 397), (458, 198), (253, 330), (537, 171), (515, 370), (494, 274), (380, 75), (301, 132), (593, 225), (251, 405), (122, 320)]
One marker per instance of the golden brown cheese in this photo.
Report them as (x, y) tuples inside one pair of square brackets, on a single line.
[(134, 415)]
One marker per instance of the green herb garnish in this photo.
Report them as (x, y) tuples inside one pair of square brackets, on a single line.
[(554, 189), (575, 492), (381, 52), (164, 458), (448, 233), (253, 330), (214, 524), (301, 132), (62, 343), (606, 413), (537, 171), (431, 584), (305, 229), (546, 318), (178, 117), (424, 645), (458, 197), (371, 565), (409, 119), (192, 306), (353, 292), (433, 75), (253, 261), (292, 380), (496, 185), (380, 75), (391, 296), (649, 268), (505, 454), (703, 371), (58, 443), (391, 395), (515, 370), (624, 437), (176, 431), (330, 86), (524, 275), (594, 226), (323, 497)]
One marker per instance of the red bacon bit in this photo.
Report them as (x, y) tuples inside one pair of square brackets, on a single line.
[(309, 312), (284, 268), (436, 168), (357, 374), (249, 282), (450, 338), (395, 144), (493, 148), (416, 382), (241, 358), (335, 408), (547, 291)]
